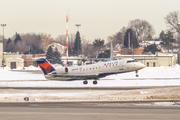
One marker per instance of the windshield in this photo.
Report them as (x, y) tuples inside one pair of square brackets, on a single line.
[(129, 61)]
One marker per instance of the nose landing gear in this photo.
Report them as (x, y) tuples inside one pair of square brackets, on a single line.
[(137, 74)]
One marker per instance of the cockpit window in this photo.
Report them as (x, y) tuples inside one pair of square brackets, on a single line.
[(129, 61)]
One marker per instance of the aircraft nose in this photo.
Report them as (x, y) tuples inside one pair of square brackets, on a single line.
[(142, 66)]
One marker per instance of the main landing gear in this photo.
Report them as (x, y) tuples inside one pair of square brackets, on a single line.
[(85, 82), (137, 74), (94, 82)]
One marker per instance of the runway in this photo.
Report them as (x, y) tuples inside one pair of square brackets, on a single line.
[(87, 88), (86, 111)]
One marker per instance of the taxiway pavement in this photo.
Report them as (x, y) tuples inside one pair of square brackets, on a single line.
[(86, 111)]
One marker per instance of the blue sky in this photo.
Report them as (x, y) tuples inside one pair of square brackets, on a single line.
[(98, 18)]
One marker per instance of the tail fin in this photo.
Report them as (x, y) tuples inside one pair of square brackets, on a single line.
[(45, 66), (111, 52)]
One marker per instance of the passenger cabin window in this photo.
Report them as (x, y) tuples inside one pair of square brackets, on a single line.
[(154, 64)]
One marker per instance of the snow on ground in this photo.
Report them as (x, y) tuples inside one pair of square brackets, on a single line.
[(33, 77), (149, 76), (15, 95), (152, 72), (15, 75)]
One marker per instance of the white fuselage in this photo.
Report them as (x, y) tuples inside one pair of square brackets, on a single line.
[(95, 71)]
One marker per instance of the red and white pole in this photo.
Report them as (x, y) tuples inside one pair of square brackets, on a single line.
[(66, 39)]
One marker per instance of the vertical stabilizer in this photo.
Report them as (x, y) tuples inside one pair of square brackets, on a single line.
[(45, 66), (111, 51)]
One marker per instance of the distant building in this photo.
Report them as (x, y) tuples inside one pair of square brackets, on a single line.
[(159, 59), (59, 47), (29, 59), (13, 60), (126, 51), (146, 43)]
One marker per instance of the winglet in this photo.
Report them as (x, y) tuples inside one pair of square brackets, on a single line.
[(45, 66)]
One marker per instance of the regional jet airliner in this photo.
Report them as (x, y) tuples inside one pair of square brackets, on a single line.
[(92, 71)]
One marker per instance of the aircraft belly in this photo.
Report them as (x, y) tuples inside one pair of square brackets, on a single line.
[(66, 77)]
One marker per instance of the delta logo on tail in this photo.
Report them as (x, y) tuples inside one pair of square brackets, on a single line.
[(45, 66)]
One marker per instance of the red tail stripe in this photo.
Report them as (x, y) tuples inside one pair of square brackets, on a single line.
[(44, 65), (48, 70)]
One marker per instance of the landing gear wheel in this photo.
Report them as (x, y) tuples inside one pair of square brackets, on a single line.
[(137, 74), (85, 82), (95, 82)]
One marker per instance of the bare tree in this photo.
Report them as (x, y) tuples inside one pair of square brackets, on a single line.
[(20, 47), (32, 41), (46, 39), (29, 41), (117, 38), (144, 30), (173, 21), (62, 39), (11, 46), (88, 50)]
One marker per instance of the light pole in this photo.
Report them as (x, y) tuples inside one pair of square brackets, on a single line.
[(3, 25), (78, 25)]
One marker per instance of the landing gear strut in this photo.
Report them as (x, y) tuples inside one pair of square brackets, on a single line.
[(137, 74), (95, 81)]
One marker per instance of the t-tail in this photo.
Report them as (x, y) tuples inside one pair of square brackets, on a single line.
[(111, 51), (45, 66)]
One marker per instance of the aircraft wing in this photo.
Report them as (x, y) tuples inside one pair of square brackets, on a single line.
[(76, 77)]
